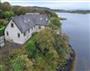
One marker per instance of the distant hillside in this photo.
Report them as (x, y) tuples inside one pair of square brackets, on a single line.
[(73, 11)]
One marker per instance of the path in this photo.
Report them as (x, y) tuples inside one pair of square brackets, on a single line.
[(6, 51)]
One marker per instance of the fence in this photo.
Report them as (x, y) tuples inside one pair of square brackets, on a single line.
[(2, 43)]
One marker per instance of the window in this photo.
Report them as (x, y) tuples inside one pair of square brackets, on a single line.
[(39, 27), (24, 34), (7, 33), (41, 18), (12, 25), (18, 35), (25, 21), (33, 27), (29, 31), (28, 20)]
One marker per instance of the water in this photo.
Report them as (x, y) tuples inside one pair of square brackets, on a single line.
[(77, 27)]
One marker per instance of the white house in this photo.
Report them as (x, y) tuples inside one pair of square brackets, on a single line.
[(21, 28)]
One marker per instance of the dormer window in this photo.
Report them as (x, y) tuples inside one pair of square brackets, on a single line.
[(41, 18), (28, 20), (24, 34), (12, 25), (25, 21)]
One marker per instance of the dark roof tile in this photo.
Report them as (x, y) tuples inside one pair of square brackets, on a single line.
[(25, 22)]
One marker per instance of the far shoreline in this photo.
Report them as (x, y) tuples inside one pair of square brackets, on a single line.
[(72, 11)]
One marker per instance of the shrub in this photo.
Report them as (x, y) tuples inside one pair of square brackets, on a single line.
[(17, 64), (31, 48), (2, 68), (54, 23), (8, 14), (2, 31)]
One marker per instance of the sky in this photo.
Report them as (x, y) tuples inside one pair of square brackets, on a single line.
[(54, 4)]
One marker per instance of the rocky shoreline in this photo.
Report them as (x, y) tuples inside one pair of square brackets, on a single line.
[(69, 66)]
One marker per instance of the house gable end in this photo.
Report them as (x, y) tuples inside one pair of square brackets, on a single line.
[(15, 25)]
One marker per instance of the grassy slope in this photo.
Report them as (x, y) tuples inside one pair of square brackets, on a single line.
[(35, 58)]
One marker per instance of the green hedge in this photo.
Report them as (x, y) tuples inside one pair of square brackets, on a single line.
[(2, 31)]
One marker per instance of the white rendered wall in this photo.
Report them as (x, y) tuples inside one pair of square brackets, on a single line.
[(13, 34)]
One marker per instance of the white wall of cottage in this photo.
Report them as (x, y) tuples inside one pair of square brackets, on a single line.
[(13, 34)]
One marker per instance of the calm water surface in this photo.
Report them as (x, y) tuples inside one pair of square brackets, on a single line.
[(77, 26)]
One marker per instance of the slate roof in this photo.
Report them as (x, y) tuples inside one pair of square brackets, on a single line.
[(25, 22)]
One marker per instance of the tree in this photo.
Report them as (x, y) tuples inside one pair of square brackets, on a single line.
[(3, 22), (1, 14), (54, 23), (8, 14), (0, 5), (45, 43), (5, 6), (18, 10)]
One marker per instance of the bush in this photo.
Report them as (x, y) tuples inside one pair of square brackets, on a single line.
[(31, 48), (8, 14), (2, 31), (17, 64), (2, 68), (54, 23), (3, 22)]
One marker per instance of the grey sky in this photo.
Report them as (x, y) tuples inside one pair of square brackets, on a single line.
[(58, 4)]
